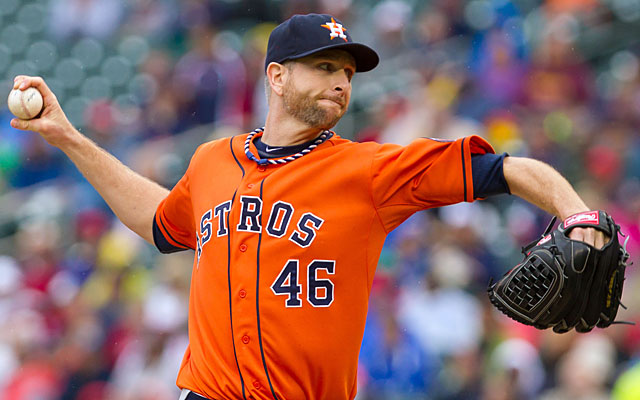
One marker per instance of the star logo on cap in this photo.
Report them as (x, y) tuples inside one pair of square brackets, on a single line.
[(336, 29)]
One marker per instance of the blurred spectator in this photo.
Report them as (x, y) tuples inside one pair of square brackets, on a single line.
[(500, 71), (392, 361), (253, 53), (197, 80), (232, 81), (557, 76), (516, 371), (161, 116), (72, 19), (38, 163), (584, 372), (150, 18)]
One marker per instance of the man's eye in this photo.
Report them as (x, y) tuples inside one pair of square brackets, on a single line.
[(325, 66)]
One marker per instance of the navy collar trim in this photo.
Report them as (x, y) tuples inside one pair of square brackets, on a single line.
[(283, 154)]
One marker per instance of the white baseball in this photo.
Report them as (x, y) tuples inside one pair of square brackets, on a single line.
[(25, 104)]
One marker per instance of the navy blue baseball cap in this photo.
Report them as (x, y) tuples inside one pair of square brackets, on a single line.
[(303, 35)]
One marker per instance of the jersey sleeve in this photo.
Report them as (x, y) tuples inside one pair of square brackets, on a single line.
[(173, 225), (427, 173)]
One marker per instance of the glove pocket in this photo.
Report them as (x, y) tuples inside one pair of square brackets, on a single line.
[(530, 292)]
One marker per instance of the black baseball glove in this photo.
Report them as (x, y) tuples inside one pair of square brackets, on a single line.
[(564, 283)]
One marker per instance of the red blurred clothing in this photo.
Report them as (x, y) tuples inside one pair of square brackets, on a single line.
[(34, 380)]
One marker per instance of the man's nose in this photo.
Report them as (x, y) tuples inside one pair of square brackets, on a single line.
[(342, 81)]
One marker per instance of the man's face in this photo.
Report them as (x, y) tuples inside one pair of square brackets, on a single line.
[(319, 88)]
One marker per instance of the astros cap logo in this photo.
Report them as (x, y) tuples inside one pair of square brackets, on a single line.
[(336, 29)]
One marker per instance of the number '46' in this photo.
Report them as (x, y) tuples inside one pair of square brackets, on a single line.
[(319, 291)]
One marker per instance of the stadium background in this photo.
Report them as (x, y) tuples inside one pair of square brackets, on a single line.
[(90, 311)]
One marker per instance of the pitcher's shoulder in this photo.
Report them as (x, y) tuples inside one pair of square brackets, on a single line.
[(222, 144), (343, 144)]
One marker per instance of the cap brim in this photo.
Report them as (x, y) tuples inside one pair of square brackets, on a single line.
[(366, 58)]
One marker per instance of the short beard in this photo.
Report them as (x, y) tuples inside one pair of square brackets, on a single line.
[(306, 110)]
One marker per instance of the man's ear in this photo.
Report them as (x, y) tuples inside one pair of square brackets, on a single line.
[(277, 75)]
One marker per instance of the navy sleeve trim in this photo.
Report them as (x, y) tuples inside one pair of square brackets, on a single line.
[(464, 170), (488, 175), (161, 242)]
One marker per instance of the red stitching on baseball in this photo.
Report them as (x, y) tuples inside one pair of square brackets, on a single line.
[(24, 106)]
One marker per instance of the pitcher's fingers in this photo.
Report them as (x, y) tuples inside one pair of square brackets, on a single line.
[(590, 236), (601, 240), (577, 234), (25, 125), (19, 79), (23, 82)]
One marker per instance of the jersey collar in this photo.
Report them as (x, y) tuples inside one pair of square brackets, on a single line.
[(247, 150)]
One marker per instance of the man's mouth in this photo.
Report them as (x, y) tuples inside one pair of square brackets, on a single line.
[(338, 101)]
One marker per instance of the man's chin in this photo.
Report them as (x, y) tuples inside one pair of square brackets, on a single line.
[(328, 124), (331, 119), (321, 118)]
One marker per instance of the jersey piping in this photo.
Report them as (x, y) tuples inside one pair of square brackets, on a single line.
[(235, 354), (264, 360)]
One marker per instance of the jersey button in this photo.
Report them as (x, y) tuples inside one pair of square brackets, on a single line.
[(262, 168), (242, 293), (250, 185), (257, 385), (245, 339), (243, 247)]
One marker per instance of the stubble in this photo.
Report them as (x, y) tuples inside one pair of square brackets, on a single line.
[(307, 110)]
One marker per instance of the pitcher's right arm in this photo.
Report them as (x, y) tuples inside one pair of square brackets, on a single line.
[(132, 197)]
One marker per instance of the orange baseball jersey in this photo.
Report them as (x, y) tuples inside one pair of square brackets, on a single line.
[(285, 253)]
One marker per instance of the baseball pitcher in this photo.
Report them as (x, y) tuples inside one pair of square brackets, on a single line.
[(287, 222)]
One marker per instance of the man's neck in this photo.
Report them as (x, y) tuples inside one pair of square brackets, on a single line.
[(287, 132)]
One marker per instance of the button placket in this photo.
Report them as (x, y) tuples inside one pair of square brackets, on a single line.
[(244, 246)]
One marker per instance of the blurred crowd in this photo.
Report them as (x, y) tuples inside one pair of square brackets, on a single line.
[(90, 311)]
